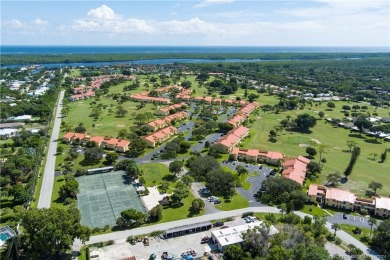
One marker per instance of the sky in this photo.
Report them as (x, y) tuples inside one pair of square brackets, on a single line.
[(196, 23)]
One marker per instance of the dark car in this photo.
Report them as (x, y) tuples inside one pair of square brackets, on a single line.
[(217, 202), (345, 216), (218, 224), (272, 172)]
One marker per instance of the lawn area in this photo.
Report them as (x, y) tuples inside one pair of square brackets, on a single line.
[(333, 138), (156, 173), (177, 213), (349, 228), (74, 73), (261, 216), (83, 253), (314, 210), (55, 200), (236, 202)]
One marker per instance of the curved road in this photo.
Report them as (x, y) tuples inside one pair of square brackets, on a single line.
[(48, 175)]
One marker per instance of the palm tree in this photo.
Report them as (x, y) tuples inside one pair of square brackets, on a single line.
[(372, 221), (336, 227), (93, 127)]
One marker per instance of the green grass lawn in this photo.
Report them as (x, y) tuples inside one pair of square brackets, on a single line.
[(349, 228), (156, 173), (236, 202), (55, 201), (333, 138), (182, 212), (314, 210), (261, 216)]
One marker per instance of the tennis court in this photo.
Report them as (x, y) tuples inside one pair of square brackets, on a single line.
[(104, 196)]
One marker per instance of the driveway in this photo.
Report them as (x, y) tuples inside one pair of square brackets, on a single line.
[(211, 138), (208, 206), (48, 175), (357, 221)]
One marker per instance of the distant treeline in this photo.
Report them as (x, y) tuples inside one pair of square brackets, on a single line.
[(25, 59)]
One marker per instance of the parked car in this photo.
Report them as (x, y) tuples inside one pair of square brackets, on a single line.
[(218, 224), (345, 216), (217, 202), (224, 227)]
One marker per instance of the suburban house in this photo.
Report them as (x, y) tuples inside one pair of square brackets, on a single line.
[(344, 199), (100, 141), (110, 143), (97, 140), (165, 121), (295, 169), (233, 138), (160, 136), (70, 136), (145, 98), (255, 155), (156, 124)]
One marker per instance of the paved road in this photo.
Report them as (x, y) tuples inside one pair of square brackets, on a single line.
[(348, 239), (212, 138), (48, 176)]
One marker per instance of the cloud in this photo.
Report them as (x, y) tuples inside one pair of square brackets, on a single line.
[(191, 26), (14, 24), (206, 3), (103, 12)]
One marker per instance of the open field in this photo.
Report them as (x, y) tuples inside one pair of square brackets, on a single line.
[(334, 138), (155, 174), (236, 202)]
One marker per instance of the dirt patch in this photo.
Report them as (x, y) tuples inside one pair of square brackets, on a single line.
[(316, 141), (303, 145)]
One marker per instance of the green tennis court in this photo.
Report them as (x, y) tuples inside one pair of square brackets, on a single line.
[(104, 196)]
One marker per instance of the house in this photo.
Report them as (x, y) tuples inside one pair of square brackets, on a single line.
[(68, 137), (254, 155), (156, 124), (233, 235), (110, 143), (295, 169), (122, 146), (165, 110), (9, 132), (236, 120)]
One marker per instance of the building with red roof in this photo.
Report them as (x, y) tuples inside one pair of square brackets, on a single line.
[(295, 169), (160, 136), (233, 138)]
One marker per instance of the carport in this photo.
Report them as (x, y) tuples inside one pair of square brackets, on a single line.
[(187, 229)]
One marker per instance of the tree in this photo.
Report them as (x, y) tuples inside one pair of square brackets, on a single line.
[(381, 238), (311, 151), (57, 230), (220, 183), (164, 186), (331, 105), (69, 189), (156, 212), (305, 121), (93, 155), (186, 84), (141, 118), (321, 114), (241, 170), (336, 227), (120, 111), (355, 154), (372, 222), (149, 115), (130, 167), (383, 156), (375, 186), (80, 128), (180, 192), (351, 144), (184, 146), (233, 252), (130, 217), (197, 205), (111, 157), (314, 252), (207, 144), (362, 123), (272, 136), (60, 150), (200, 167), (187, 180), (313, 168), (19, 193), (283, 209), (257, 240), (175, 167), (252, 97), (333, 178), (345, 108), (216, 149)]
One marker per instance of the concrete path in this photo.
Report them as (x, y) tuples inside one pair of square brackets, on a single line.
[(48, 176)]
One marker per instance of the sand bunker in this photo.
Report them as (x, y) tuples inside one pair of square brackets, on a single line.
[(316, 141), (303, 145)]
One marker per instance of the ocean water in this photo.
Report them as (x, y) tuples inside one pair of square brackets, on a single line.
[(8, 49)]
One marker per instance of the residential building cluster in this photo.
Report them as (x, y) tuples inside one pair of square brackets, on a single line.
[(346, 200), (166, 121), (160, 136), (164, 111), (118, 145), (242, 114), (144, 96), (233, 138), (255, 155), (295, 169)]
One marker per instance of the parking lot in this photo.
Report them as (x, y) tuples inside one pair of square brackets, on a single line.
[(358, 221), (256, 181), (211, 138), (173, 246)]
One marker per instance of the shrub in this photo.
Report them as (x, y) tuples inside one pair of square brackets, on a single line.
[(110, 242), (246, 214)]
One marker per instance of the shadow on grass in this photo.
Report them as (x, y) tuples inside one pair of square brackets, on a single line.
[(169, 177), (343, 180), (357, 136), (192, 213), (372, 141)]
